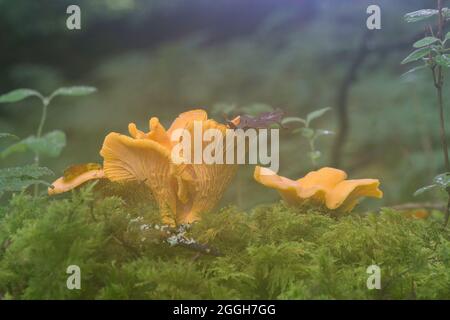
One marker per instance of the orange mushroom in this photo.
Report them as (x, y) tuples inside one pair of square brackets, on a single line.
[(75, 176), (182, 191), (326, 186)]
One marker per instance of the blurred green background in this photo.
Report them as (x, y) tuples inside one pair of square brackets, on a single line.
[(161, 57)]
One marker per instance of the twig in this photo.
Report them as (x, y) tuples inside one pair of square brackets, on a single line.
[(419, 205), (201, 248), (177, 237)]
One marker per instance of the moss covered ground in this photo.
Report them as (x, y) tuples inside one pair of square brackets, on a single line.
[(269, 252)]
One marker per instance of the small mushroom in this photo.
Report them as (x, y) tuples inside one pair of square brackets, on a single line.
[(326, 186), (75, 176)]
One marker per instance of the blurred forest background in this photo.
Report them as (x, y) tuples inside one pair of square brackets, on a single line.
[(161, 57)]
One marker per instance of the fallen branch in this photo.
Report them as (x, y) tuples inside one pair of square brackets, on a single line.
[(419, 205), (200, 248)]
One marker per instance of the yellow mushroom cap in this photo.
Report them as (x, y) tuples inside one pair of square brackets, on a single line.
[(182, 191), (158, 133), (286, 187), (346, 194), (207, 182), (135, 132), (317, 184), (76, 176), (185, 118), (327, 186), (145, 160)]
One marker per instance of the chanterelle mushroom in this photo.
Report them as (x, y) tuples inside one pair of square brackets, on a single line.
[(325, 186), (75, 176), (182, 190)]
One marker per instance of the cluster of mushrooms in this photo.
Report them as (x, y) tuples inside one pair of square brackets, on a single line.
[(184, 191)]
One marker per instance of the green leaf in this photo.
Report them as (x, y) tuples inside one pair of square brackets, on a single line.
[(424, 189), (289, 120), (307, 132), (442, 180), (8, 135), (220, 109), (30, 171), (316, 114), (425, 42), (18, 95), (18, 147), (447, 36), (19, 178), (314, 155), (322, 132), (256, 108), (420, 15), (443, 60), (17, 184), (416, 55), (51, 145), (407, 73), (446, 13), (73, 91)]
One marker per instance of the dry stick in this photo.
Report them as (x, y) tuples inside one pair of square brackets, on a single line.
[(414, 206), (201, 248), (185, 242)]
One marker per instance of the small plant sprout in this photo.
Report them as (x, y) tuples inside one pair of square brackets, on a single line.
[(310, 133), (17, 179), (49, 144), (433, 52), (440, 182)]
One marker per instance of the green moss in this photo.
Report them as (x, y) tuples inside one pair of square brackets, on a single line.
[(271, 252)]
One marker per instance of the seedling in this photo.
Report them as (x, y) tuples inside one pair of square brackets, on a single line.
[(49, 144), (310, 133), (432, 52)]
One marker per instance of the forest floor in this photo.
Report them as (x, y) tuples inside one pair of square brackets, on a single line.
[(270, 252)]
